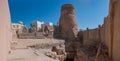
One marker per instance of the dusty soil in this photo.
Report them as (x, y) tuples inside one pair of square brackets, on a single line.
[(21, 50)]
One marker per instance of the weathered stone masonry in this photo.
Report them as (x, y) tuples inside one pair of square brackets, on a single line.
[(69, 29), (106, 35)]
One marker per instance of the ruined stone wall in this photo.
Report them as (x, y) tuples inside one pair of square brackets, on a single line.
[(85, 36), (94, 44), (97, 34), (5, 30), (111, 30), (91, 35), (102, 33), (94, 34), (37, 35), (108, 34)]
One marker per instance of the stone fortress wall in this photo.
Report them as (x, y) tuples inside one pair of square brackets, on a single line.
[(109, 32), (90, 34), (106, 36), (94, 34), (70, 30)]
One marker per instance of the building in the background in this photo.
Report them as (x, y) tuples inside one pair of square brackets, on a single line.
[(37, 30), (36, 26), (48, 27), (49, 30), (50, 24), (19, 27), (39, 26)]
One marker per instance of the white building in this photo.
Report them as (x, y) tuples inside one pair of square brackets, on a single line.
[(50, 24), (39, 26), (36, 25)]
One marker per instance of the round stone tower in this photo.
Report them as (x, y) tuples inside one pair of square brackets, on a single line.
[(69, 29), (67, 24)]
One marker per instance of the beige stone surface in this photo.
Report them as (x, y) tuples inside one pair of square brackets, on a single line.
[(5, 30)]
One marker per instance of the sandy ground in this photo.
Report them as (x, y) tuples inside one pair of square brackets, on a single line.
[(23, 53)]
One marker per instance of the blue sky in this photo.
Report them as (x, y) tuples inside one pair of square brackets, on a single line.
[(89, 13)]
